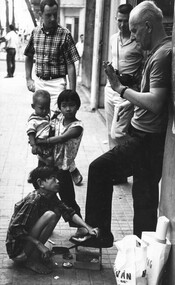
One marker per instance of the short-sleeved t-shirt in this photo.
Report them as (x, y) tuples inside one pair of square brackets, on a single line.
[(156, 74), (12, 39), (40, 126)]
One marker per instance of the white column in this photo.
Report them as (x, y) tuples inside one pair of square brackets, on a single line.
[(96, 53)]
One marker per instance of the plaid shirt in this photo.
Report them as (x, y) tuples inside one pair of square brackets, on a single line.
[(26, 214), (53, 51)]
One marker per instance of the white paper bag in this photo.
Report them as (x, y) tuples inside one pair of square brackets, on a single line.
[(157, 255), (130, 262)]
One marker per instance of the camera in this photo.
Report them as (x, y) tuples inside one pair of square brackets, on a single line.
[(126, 79)]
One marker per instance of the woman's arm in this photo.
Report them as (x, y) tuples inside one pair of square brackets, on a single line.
[(69, 134)]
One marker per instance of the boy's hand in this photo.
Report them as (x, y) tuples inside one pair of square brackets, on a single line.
[(93, 231), (45, 252)]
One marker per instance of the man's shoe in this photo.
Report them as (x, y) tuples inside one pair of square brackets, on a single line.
[(101, 241), (107, 241), (82, 234), (76, 176), (80, 240)]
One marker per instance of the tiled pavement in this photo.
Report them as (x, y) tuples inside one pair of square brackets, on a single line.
[(16, 161)]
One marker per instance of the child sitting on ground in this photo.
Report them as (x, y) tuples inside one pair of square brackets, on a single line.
[(39, 126), (34, 220), (68, 134)]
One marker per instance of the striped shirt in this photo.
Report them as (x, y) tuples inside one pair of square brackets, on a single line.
[(52, 51), (40, 126)]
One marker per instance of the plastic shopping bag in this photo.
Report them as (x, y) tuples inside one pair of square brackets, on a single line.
[(157, 251), (130, 262), (157, 255)]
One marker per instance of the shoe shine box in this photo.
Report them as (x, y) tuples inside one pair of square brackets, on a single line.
[(88, 258)]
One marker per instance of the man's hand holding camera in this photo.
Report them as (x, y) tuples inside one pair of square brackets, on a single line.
[(112, 77), (116, 84)]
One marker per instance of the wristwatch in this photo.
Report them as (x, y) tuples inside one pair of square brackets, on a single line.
[(123, 91)]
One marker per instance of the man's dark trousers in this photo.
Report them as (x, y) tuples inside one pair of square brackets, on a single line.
[(11, 52), (141, 155)]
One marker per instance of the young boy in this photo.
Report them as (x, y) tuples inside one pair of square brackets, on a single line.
[(39, 126), (34, 219)]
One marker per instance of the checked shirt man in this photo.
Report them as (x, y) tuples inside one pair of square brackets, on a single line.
[(54, 51)]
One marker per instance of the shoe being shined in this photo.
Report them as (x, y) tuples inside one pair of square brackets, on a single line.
[(82, 234), (79, 240), (104, 240), (76, 176)]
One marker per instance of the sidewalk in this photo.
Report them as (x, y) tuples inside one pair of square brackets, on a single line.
[(16, 162)]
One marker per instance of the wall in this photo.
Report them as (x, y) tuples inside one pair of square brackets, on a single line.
[(88, 43), (72, 3), (70, 10)]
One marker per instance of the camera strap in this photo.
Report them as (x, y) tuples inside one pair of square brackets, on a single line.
[(118, 52)]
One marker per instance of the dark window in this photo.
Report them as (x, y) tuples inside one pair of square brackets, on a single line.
[(76, 29), (69, 27)]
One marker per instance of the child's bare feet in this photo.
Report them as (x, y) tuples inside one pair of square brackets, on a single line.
[(37, 267), (21, 257)]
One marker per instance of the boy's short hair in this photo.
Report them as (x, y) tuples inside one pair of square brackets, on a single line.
[(50, 3), (124, 8), (41, 94), (68, 95), (42, 172)]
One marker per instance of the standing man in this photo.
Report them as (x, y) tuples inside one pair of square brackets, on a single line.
[(80, 48), (54, 51), (142, 153), (11, 40), (127, 58)]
